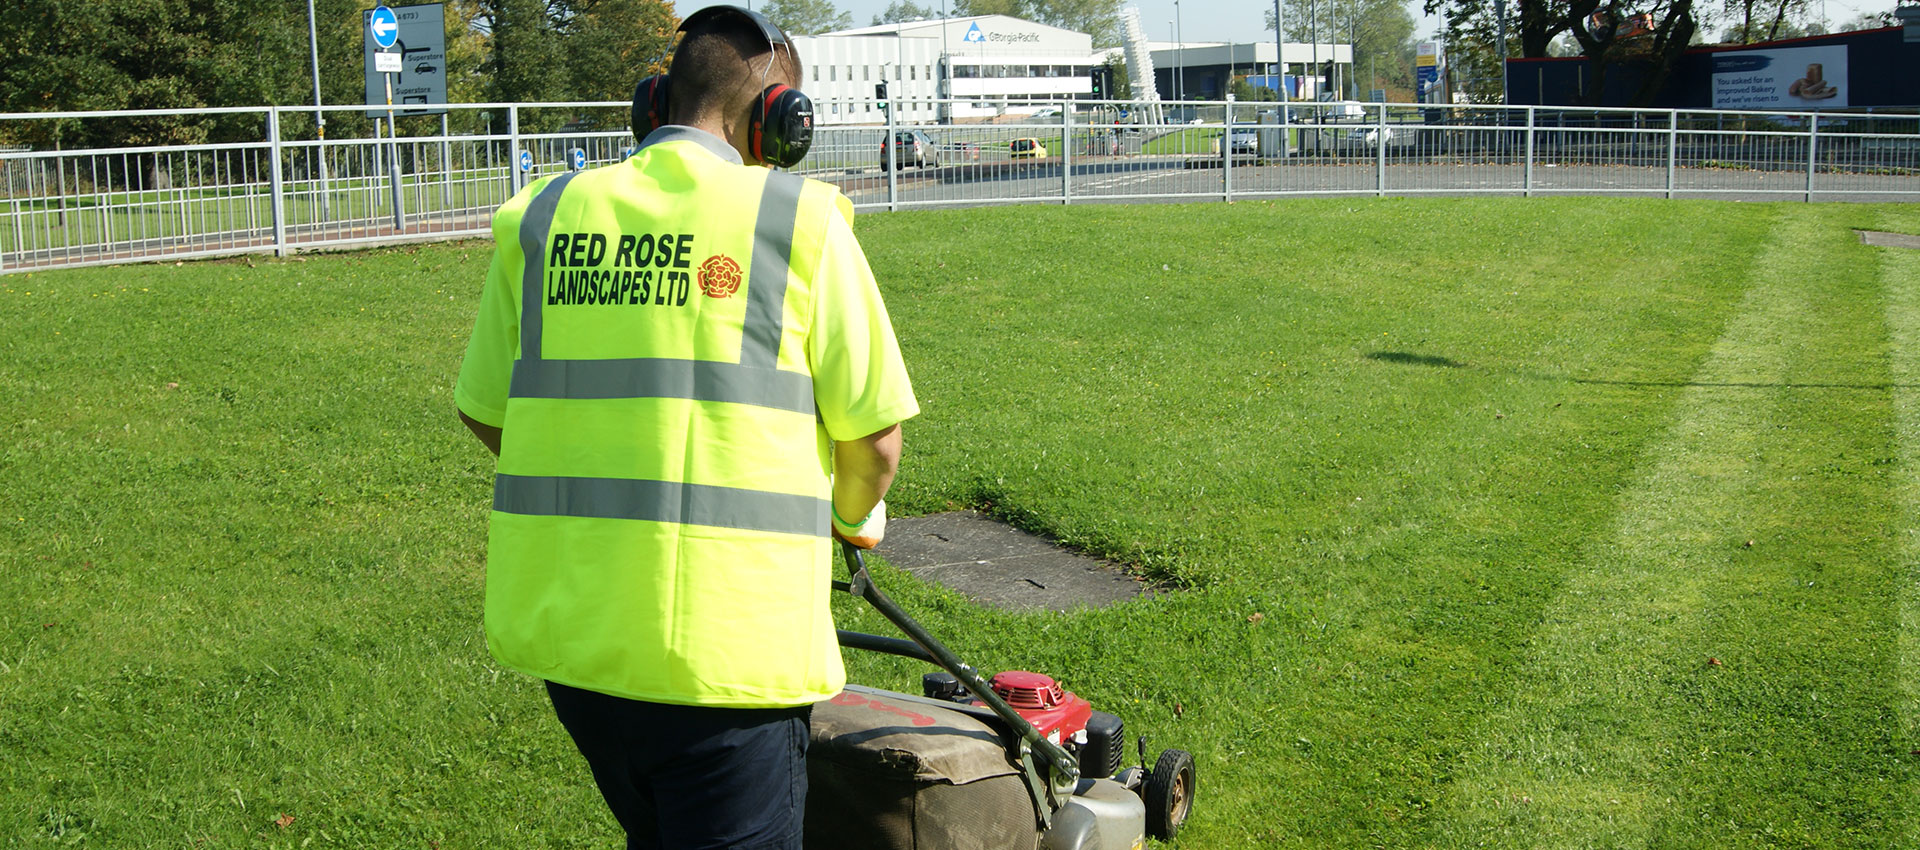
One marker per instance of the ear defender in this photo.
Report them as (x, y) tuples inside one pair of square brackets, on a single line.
[(649, 110), (781, 126), (780, 129)]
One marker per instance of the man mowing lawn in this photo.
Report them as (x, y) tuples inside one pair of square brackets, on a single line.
[(659, 546)]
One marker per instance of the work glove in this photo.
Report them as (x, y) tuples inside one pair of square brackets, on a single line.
[(866, 533)]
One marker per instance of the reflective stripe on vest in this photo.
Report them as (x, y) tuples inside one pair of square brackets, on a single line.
[(754, 380), (659, 501)]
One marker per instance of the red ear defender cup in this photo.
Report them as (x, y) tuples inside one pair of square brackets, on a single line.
[(781, 127), (649, 110)]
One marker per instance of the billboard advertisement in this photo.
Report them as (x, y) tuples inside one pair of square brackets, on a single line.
[(1793, 78)]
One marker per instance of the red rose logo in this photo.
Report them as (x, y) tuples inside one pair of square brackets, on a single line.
[(719, 276)]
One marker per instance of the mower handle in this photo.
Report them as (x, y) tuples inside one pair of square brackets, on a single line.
[(1064, 768)]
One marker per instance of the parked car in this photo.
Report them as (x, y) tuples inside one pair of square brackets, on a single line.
[(1027, 148), (909, 147), (1246, 142), (1363, 140)]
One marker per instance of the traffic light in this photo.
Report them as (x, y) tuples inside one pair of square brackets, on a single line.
[(1100, 83), (880, 94)]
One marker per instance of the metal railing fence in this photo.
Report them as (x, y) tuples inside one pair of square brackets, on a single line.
[(284, 190)]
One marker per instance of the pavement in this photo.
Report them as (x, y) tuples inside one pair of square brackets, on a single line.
[(1001, 566)]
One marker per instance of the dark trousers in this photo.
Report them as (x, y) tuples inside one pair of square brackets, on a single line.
[(681, 777)]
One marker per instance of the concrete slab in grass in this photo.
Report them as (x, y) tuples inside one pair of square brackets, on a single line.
[(996, 564), (1889, 240)]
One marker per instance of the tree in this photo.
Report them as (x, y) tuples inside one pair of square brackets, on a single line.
[(1119, 83), (148, 54), (807, 17), (1010, 8), (1595, 25), (611, 44), (524, 56), (1777, 19), (1097, 18), (1244, 91), (903, 11), (1381, 32), (1870, 21)]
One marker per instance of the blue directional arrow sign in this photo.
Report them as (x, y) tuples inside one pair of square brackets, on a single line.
[(384, 27), (578, 157), (526, 160)]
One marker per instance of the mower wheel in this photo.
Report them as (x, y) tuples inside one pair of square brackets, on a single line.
[(1169, 794)]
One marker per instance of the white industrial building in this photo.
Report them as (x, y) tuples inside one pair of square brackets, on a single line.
[(989, 65), (1204, 70)]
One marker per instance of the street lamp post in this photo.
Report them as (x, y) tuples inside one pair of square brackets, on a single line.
[(1173, 73), (1179, 37), (944, 88), (319, 117)]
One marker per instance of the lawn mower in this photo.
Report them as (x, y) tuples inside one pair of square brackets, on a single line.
[(977, 763)]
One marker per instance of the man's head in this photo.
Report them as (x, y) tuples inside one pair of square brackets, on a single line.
[(726, 61)]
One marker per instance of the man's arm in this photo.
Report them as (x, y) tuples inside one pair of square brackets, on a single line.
[(863, 469), (490, 437)]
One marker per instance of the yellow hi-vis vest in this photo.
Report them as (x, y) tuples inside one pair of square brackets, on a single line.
[(661, 508)]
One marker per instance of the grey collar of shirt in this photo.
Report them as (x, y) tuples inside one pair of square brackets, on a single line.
[(683, 133)]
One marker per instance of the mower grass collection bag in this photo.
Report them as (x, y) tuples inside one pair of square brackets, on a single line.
[(887, 771)]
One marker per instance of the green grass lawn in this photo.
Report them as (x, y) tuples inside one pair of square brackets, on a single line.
[(1566, 523)]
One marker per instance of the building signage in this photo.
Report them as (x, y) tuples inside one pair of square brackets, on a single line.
[(421, 44), (974, 34), (1426, 66), (1793, 78)]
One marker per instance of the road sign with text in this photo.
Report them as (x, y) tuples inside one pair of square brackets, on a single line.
[(420, 43)]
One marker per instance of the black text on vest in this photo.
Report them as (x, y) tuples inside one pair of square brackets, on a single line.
[(645, 269)]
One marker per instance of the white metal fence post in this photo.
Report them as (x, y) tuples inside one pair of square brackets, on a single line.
[(1526, 180), (1226, 153), (892, 161), (1380, 153), (513, 149), (1813, 142), (446, 166), (1066, 154), (1673, 149), (276, 184)]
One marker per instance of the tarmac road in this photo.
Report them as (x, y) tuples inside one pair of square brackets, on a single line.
[(1190, 178)]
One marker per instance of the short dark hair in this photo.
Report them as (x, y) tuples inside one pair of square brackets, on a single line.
[(718, 65)]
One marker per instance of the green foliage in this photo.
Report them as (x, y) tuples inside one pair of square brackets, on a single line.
[(807, 17), (1245, 92), (1098, 18), (1120, 83), (904, 11), (1534, 25), (612, 44), (148, 54), (76, 55), (1381, 32), (524, 62)]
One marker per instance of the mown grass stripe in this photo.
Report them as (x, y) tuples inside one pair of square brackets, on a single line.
[(1900, 273), (1606, 733)]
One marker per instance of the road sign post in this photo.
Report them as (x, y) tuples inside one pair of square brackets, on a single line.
[(384, 27)]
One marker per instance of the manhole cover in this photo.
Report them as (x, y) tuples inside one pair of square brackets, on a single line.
[(1889, 240), (999, 565)]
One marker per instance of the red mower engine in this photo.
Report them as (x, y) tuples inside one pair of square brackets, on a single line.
[(1097, 739), (1059, 716)]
